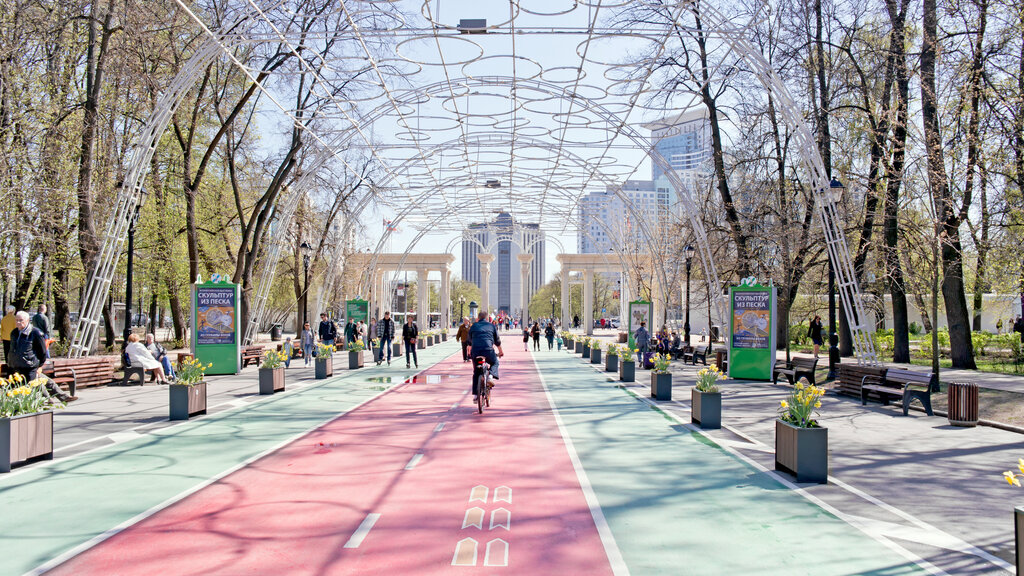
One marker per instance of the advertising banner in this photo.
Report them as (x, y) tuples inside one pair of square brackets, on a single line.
[(751, 331), (639, 311), (216, 326)]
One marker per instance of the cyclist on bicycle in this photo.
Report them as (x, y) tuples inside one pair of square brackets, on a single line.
[(484, 338)]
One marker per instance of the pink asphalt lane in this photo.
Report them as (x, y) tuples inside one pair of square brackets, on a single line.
[(456, 492)]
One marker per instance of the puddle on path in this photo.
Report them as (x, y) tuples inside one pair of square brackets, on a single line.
[(381, 379), (432, 378)]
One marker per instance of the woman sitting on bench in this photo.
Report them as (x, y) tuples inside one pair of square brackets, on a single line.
[(139, 356)]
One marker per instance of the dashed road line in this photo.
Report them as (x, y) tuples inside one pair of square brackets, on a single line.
[(364, 528)]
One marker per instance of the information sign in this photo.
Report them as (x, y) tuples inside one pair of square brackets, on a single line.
[(216, 326), (751, 331)]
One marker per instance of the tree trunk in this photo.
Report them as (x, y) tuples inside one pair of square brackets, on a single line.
[(894, 179), (962, 349)]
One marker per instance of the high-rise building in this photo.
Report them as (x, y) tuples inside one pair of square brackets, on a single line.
[(606, 223), (505, 239), (684, 140)]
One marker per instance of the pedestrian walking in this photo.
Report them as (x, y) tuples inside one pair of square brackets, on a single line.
[(350, 331), (409, 335), (643, 341), (526, 339), (385, 333), (327, 331), (535, 333), (306, 341), (288, 348), (814, 332), (462, 335), (7, 325), (549, 333)]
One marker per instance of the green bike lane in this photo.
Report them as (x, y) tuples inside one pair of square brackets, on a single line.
[(677, 503), (56, 509)]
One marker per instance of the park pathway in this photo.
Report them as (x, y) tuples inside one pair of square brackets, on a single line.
[(413, 482)]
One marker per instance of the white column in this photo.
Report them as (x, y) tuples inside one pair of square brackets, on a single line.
[(588, 301), (374, 293), (485, 280), (423, 303), (524, 284), (625, 295), (446, 307), (657, 304), (566, 320)]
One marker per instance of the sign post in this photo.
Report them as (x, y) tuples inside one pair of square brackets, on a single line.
[(216, 326), (356, 310), (751, 331)]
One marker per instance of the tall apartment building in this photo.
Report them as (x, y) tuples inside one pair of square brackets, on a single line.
[(606, 223), (684, 140), (506, 239)]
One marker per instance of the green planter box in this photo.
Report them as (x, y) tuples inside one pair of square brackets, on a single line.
[(26, 437), (595, 355), (420, 344), (396, 349), (579, 346), (568, 343), (323, 367), (661, 386), (627, 370), (706, 409), (585, 352), (611, 363), (186, 401), (271, 380), (444, 337), (355, 360), (802, 452)]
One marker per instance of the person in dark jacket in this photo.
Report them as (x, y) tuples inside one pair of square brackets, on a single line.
[(549, 333), (484, 338), (28, 352), (814, 331), (386, 333), (535, 332), (327, 331), (409, 335)]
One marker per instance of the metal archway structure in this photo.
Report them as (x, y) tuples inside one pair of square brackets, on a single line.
[(558, 94)]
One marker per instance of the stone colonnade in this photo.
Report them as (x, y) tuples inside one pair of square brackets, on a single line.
[(423, 265), (590, 264)]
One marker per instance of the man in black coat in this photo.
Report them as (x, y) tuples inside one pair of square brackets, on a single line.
[(28, 352), (386, 333), (328, 331), (409, 335)]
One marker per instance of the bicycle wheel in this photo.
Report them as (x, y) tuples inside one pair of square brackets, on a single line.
[(481, 396)]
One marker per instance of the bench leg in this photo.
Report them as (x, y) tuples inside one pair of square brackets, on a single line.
[(863, 397), (925, 399)]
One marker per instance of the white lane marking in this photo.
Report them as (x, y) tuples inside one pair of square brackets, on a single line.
[(501, 518), (414, 461), (503, 494), (618, 564), (474, 517), (454, 406), (364, 528), (465, 553), (497, 553), (439, 427)]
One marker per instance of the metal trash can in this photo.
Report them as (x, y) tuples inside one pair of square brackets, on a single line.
[(275, 333), (963, 404)]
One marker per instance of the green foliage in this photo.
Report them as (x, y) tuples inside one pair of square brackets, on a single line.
[(915, 329), (18, 397), (798, 334), (980, 340)]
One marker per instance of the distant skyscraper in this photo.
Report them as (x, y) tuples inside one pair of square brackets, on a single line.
[(684, 140), (606, 223), (504, 238)]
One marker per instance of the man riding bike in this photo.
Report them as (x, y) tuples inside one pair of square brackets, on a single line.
[(484, 338)]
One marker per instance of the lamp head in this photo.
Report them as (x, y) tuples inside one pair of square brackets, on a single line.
[(689, 251)]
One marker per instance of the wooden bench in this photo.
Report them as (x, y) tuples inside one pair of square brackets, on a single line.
[(252, 355), (850, 377), (695, 354), (137, 373), (75, 373), (796, 368), (905, 384)]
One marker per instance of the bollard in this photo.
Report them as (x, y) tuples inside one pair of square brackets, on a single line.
[(1018, 525)]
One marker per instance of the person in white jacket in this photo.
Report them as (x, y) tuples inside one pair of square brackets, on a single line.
[(138, 355)]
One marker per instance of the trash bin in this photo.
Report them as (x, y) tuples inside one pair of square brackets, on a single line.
[(715, 331), (275, 333), (963, 404)]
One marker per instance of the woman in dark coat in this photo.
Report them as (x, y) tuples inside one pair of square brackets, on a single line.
[(815, 333)]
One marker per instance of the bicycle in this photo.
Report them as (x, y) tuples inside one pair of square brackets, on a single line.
[(482, 383)]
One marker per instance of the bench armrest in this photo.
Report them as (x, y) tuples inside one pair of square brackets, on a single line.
[(871, 379)]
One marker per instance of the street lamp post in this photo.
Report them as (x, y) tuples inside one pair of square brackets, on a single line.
[(129, 272), (462, 302), (835, 194), (689, 251), (553, 300), (306, 249)]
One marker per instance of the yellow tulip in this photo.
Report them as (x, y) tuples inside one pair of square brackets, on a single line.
[(784, 404), (817, 404), (1020, 464)]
